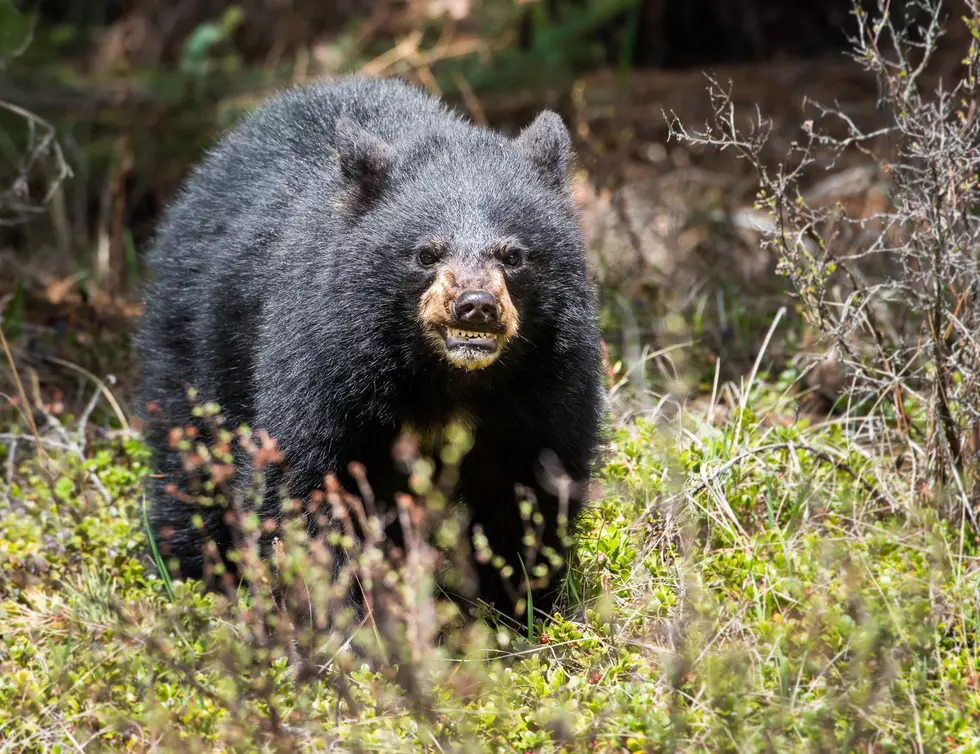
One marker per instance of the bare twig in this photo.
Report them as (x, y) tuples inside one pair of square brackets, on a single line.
[(14, 208), (25, 404)]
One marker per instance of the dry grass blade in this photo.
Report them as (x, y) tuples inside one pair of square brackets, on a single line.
[(25, 405)]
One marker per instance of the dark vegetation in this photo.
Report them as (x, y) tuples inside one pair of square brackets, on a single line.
[(782, 550)]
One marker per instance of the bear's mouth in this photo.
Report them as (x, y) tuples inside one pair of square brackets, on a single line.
[(471, 349), (458, 338)]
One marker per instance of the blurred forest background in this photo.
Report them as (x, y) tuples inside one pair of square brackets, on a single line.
[(107, 104)]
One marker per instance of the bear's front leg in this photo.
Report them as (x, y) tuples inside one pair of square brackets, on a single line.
[(524, 518)]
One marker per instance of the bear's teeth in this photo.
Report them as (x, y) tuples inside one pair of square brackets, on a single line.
[(468, 334)]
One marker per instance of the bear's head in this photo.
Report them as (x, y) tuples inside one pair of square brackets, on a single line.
[(470, 236)]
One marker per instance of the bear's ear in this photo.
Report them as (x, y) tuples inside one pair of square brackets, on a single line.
[(547, 144), (365, 160)]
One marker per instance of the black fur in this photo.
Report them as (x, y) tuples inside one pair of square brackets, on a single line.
[(286, 288)]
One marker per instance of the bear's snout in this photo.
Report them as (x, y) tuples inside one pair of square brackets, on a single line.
[(476, 308)]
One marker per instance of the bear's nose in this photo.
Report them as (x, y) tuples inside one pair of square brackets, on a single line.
[(475, 308)]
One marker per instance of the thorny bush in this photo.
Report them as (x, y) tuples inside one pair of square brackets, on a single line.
[(895, 288)]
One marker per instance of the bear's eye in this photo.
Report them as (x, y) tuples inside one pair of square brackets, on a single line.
[(511, 257), (428, 257)]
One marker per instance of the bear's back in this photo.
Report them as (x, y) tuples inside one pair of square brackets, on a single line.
[(301, 121), (276, 151)]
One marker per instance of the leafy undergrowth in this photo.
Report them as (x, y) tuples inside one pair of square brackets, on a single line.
[(751, 583)]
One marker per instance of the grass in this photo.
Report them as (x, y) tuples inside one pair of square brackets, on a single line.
[(752, 582)]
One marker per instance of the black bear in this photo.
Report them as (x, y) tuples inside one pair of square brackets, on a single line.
[(354, 258)]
